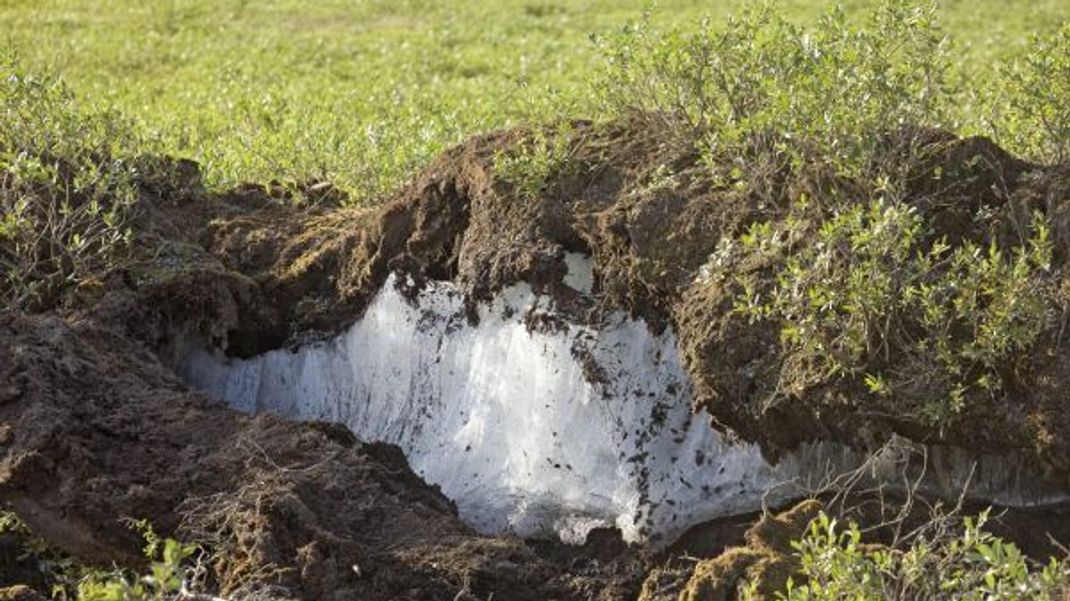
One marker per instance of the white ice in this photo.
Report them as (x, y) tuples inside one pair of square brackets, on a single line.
[(580, 275), (534, 433)]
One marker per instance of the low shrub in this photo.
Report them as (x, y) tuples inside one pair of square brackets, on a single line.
[(826, 127), (963, 562), (168, 564), (763, 94), (537, 160), (172, 569), (1033, 115), (67, 193), (866, 292)]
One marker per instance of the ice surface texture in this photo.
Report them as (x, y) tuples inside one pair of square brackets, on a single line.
[(538, 433)]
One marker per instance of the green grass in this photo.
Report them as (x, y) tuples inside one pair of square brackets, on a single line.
[(363, 93)]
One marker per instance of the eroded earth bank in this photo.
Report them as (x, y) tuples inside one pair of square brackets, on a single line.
[(472, 391)]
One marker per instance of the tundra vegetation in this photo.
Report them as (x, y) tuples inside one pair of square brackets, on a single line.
[(824, 117)]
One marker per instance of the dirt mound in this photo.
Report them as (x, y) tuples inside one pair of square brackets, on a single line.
[(652, 217)]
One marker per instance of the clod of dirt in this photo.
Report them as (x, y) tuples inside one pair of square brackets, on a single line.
[(766, 558)]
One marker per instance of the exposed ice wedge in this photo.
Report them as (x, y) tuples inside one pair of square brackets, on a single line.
[(541, 433)]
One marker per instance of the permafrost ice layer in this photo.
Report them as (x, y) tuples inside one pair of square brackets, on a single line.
[(512, 427)]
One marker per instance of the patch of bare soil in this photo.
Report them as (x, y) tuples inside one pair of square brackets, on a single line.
[(94, 426)]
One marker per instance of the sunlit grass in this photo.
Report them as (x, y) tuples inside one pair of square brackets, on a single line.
[(363, 93)]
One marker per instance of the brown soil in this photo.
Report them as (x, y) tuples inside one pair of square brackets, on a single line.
[(94, 427)]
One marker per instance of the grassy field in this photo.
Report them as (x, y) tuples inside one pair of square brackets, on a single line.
[(364, 92)]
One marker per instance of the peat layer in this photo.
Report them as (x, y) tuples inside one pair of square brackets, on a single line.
[(95, 426)]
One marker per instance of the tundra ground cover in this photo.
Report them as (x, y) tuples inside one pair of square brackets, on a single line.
[(364, 93)]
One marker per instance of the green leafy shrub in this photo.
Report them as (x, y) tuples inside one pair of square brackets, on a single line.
[(536, 161), (763, 93), (167, 567), (1035, 116), (169, 563), (66, 192), (871, 295), (964, 563)]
